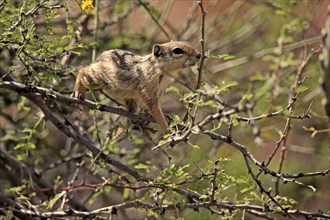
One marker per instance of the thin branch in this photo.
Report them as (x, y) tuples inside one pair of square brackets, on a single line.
[(49, 94), (60, 162), (214, 181), (120, 16), (70, 130), (202, 41), (259, 54), (148, 206), (96, 27), (82, 21), (200, 67), (145, 6), (31, 92)]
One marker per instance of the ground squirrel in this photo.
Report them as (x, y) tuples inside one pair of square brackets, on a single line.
[(122, 74)]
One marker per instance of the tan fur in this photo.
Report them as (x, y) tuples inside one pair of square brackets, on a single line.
[(122, 74)]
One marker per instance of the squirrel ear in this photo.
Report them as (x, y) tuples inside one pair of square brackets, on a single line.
[(156, 50)]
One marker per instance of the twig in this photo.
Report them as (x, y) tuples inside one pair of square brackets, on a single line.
[(188, 22), (61, 161), (70, 183), (49, 94), (156, 207), (283, 140), (202, 41), (83, 21), (120, 16), (325, 63), (200, 67), (145, 6), (96, 27), (294, 96), (259, 54), (260, 214), (246, 156), (66, 127), (214, 181)]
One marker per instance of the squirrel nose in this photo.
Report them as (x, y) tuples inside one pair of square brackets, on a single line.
[(199, 55)]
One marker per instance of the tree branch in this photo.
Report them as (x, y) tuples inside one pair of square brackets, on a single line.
[(148, 206), (49, 94)]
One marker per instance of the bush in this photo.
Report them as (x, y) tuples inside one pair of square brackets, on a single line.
[(249, 133)]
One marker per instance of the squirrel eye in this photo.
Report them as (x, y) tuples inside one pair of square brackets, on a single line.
[(178, 51)]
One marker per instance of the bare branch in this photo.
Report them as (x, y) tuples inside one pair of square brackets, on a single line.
[(254, 209), (49, 94)]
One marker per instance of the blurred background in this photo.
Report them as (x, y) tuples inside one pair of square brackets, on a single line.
[(269, 41)]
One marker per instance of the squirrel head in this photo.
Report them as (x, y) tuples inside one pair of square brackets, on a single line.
[(175, 55)]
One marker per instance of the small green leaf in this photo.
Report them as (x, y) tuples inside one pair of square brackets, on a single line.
[(195, 146), (21, 157), (141, 166), (301, 89), (76, 52), (241, 181), (225, 56), (138, 141), (6, 33), (55, 199), (25, 147), (244, 190), (280, 12), (203, 197), (234, 120), (125, 193), (172, 89), (21, 105)]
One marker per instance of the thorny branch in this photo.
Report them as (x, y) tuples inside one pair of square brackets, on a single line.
[(246, 155), (41, 97), (65, 125), (262, 53), (38, 96), (256, 210), (145, 6), (202, 41), (294, 95), (48, 95), (200, 67)]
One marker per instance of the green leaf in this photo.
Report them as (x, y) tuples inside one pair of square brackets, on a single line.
[(280, 12), (203, 197), (225, 56), (25, 146), (141, 166), (6, 33), (21, 105), (240, 181), (173, 89), (234, 120), (138, 141), (301, 89), (244, 190), (21, 157), (76, 52), (125, 193), (195, 146), (225, 86), (52, 202)]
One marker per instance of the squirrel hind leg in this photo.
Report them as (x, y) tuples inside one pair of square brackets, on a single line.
[(79, 88), (132, 105)]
